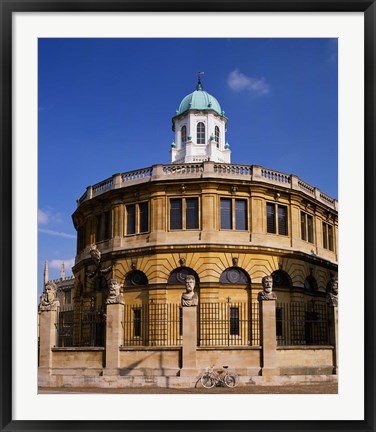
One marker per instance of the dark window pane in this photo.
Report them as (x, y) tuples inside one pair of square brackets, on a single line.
[(107, 225), (330, 237), (278, 318), (310, 228), (99, 228), (144, 217), (200, 133), (217, 135), (270, 218), (226, 213), (184, 134), (137, 322), (282, 220), (241, 214), (303, 225), (191, 213), (325, 235), (80, 238), (176, 214), (131, 219), (234, 321)]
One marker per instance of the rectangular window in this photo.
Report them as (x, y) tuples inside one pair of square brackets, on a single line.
[(276, 219), (303, 225), (137, 322), (278, 319), (99, 228), (310, 228), (187, 207), (176, 214), (144, 217), (131, 219), (107, 225), (234, 321), (306, 227), (80, 238), (241, 214), (191, 213), (226, 213), (282, 220), (330, 238), (325, 235), (67, 297)]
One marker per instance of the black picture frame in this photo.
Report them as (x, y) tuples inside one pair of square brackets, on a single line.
[(7, 8)]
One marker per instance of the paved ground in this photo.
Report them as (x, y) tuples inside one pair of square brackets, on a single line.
[(311, 388)]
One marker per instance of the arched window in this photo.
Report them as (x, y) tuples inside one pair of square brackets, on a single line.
[(216, 135), (136, 278), (178, 275), (200, 133), (281, 279), (310, 284), (234, 275), (184, 134)]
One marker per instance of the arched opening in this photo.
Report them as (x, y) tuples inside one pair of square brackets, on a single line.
[(310, 284), (178, 276), (184, 134), (136, 278), (281, 279), (216, 135), (235, 275)]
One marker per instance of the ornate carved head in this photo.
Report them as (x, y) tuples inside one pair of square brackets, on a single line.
[(114, 290), (267, 284), (95, 253), (190, 283)]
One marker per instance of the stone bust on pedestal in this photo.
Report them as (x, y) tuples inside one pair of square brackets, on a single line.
[(48, 300), (189, 298), (114, 295), (267, 289), (333, 291)]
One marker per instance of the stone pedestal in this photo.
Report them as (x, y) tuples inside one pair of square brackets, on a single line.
[(114, 335), (268, 338), (47, 337), (334, 338), (189, 341)]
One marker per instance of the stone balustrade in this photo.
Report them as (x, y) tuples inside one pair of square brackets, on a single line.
[(253, 173)]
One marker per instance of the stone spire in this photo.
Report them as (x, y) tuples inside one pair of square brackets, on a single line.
[(62, 271), (45, 273)]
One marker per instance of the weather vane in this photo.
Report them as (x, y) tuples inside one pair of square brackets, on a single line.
[(199, 86)]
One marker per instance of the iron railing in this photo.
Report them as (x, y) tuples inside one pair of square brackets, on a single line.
[(153, 324), (303, 323), (80, 327), (229, 324)]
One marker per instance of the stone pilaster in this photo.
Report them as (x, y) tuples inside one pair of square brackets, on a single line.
[(47, 337), (268, 338), (334, 337), (114, 336), (189, 341)]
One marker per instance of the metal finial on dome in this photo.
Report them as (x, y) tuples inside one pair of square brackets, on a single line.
[(199, 85)]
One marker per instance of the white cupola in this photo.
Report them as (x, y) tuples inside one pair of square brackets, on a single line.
[(200, 129)]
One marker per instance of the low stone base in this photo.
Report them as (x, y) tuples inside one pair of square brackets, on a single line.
[(187, 372), (108, 379)]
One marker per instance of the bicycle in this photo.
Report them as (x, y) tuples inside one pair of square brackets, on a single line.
[(211, 377)]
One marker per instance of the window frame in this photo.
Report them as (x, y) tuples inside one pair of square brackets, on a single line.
[(276, 222), (328, 236), (217, 135), (184, 213), (201, 135), (233, 219), (304, 224), (137, 218), (183, 138)]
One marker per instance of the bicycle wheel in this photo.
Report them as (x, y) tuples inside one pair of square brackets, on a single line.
[(231, 380), (207, 381)]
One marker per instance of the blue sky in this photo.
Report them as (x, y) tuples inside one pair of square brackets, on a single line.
[(105, 106)]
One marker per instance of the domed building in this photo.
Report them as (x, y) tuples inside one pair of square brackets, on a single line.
[(228, 226)]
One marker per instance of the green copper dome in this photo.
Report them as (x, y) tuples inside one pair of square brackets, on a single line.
[(199, 100)]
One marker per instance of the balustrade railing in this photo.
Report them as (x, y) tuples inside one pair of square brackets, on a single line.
[(207, 169)]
